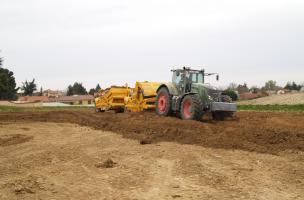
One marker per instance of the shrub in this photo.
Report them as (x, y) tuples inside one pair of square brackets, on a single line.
[(232, 94)]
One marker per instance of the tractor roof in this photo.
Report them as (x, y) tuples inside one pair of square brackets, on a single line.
[(187, 69)]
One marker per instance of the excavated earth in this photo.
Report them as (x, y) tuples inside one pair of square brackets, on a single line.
[(87, 155), (263, 132)]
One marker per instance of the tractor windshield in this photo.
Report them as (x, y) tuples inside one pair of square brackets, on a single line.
[(176, 78), (197, 78), (188, 76)]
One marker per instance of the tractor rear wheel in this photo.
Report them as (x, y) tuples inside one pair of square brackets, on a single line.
[(163, 102), (191, 108)]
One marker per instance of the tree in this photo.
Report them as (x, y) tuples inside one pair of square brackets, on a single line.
[(41, 92), (288, 86), (94, 90), (254, 89), (296, 86), (242, 88), (270, 85), (97, 87), (29, 87), (70, 90), (76, 89), (293, 86), (8, 90), (232, 94), (232, 86)]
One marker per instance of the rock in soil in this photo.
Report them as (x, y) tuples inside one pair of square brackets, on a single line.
[(109, 163)]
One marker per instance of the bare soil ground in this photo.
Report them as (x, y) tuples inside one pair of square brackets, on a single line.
[(73, 155), (288, 99), (251, 131)]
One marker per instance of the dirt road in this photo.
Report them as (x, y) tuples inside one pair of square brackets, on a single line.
[(43, 159)]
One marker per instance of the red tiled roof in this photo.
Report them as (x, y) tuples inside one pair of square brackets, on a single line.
[(33, 98)]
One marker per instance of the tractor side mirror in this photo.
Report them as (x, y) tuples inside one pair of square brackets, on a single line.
[(217, 77)]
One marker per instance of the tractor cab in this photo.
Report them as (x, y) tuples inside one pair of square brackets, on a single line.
[(185, 77)]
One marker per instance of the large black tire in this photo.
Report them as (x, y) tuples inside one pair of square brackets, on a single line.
[(119, 110), (163, 104), (218, 116), (191, 108)]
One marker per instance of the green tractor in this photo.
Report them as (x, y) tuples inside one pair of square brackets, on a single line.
[(189, 96)]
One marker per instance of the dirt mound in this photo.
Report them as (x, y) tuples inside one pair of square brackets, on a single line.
[(290, 98), (251, 131), (13, 139), (109, 163)]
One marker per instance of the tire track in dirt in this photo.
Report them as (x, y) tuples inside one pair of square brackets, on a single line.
[(161, 181)]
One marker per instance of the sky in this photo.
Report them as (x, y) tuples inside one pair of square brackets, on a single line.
[(116, 42)]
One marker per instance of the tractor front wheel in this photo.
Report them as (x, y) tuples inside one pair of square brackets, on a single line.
[(191, 108), (163, 102)]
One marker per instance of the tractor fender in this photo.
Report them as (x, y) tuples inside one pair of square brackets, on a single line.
[(170, 87)]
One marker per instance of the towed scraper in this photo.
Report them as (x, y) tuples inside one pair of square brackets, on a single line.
[(111, 99), (142, 97)]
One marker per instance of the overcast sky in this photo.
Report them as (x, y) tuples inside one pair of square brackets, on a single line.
[(113, 42)]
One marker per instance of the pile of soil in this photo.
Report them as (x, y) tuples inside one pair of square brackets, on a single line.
[(264, 132)]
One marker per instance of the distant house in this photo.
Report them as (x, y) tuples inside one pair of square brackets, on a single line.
[(53, 93), (302, 89), (74, 100), (271, 92), (33, 98)]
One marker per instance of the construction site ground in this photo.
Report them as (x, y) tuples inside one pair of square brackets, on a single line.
[(62, 154)]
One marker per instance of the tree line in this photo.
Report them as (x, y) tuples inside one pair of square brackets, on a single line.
[(270, 85), (78, 89)]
